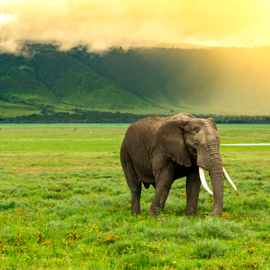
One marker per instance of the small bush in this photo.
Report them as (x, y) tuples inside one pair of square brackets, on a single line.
[(5, 205), (209, 248), (213, 228)]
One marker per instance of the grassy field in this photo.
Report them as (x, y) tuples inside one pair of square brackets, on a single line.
[(64, 204)]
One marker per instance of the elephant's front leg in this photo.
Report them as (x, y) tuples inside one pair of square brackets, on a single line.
[(164, 180), (193, 185), (161, 195)]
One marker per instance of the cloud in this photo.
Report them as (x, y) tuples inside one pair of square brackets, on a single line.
[(101, 24)]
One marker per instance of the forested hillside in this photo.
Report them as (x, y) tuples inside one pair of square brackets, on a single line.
[(163, 81)]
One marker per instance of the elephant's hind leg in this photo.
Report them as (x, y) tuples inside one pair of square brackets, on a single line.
[(136, 196), (193, 185), (134, 184)]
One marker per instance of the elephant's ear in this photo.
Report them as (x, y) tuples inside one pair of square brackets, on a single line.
[(170, 141), (213, 123)]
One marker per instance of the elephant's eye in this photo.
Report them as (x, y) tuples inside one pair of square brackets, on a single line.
[(197, 129), (196, 142)]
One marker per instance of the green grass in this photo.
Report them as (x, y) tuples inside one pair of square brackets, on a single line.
[(64, 204)]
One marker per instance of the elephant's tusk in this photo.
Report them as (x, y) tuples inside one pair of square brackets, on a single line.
[(229, 179), (203, 180)]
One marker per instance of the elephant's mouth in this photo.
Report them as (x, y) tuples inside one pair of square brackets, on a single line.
[(204, 183), (192, 153)]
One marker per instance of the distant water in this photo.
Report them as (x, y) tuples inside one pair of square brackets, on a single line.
[(245, 144)]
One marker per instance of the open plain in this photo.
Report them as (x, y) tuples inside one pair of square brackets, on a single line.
[(64, 204)]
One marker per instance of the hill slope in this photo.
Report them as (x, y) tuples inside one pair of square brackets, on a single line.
[(215, 80)]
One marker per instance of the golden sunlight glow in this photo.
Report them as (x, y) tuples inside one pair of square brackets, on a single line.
[(104, 23)]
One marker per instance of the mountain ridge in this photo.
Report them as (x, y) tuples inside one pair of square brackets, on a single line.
[(147, 80)]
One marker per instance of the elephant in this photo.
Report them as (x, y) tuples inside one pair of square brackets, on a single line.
[(158, 150)]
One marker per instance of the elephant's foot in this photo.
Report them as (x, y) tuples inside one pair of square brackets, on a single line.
[(135, 213), (216, 213), (136, 210), (191, 213), (154, 210), (192, 208)]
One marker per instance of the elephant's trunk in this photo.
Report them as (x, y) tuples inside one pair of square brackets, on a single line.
[(213, 163), (216, 175)]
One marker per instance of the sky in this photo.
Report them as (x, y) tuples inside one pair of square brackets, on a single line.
[(101, 24)]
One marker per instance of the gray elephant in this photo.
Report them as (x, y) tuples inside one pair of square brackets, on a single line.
[(158, 150)]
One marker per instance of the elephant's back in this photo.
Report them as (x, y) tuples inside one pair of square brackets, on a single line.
[(143, 130), (139, 136), (142, 133)]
